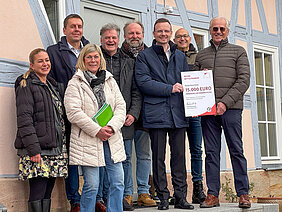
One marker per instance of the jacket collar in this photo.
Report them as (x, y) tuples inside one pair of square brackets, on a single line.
[(63, 45), (160, 50), (221, 44)]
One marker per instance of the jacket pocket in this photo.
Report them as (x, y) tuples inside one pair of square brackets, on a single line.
[(154, 110)]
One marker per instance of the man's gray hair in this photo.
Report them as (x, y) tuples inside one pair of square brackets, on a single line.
[(131, 22), (110, 27), (220, 17)]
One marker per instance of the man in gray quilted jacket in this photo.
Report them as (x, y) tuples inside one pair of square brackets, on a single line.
[(231, 73)]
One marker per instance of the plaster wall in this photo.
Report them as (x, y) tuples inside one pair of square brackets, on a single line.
[(19, 34), (224, 8), (270, 15), (256, 24), (167, 2), (199, 6), (241, 19), (8, 157)]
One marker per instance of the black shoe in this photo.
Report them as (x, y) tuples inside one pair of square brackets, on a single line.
[(183, 204), (127, 206), (171, 200), (198, 193), (163, 205)]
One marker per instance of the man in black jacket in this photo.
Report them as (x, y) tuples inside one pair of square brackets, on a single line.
[(157, 73), (63, 57), (132, 45), (122, 68)]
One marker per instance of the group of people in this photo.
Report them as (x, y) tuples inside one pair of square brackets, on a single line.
[(68, 83)]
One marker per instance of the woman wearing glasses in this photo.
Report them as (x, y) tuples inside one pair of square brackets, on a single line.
[(91, 145)]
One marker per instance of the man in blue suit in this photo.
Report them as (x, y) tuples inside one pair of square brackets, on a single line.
[(157, 72)]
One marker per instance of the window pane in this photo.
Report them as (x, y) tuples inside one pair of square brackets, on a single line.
[(272, 139), (52, 12), (268, 69), (199, 41), (270, 104), (258, 68), (261, 104), (263, 140)]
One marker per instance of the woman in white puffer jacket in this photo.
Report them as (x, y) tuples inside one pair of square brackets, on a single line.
[(91, 145)]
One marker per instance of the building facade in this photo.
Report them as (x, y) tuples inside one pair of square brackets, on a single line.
[(254, 24)]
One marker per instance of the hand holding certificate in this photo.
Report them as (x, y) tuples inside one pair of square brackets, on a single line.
[(198, 94)]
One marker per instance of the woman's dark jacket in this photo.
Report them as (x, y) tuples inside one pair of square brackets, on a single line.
[(35, 115)]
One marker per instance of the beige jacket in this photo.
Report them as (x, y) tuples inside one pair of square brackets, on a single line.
[(81, 105)]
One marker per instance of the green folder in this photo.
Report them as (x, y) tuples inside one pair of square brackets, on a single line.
[(104, 115)]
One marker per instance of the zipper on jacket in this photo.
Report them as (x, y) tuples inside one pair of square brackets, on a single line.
[(79, 132)]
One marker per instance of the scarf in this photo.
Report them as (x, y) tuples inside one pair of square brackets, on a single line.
[(97, 83), (134, 51)]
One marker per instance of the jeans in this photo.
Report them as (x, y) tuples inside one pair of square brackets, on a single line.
[(230, 122), (143, 160), (127, 168), (143, 163), (72, 184), (104, 185), (116, 180), (90, 188), (194, 133)]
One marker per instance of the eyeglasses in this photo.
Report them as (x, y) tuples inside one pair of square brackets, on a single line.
[(182, 36), (96, 57), (215, 29)]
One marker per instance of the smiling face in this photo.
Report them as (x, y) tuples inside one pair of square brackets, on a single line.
[(92, 62), (134, 35), (182, 39), (162, 33), (109, 41), (41, 65), (74, 30), (218, 30)]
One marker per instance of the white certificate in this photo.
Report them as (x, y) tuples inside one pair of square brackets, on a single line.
[(198, 94)]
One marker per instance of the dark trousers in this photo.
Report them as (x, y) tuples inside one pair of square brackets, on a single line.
[(41, 188), (72, 184), (212, 127), (194, 133), (177, 161)]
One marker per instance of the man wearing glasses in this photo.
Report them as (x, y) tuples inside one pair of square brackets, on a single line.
[(194, 131), (231, 74), (157, 73)]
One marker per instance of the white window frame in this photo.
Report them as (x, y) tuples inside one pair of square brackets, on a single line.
[(277, 98), (61, 16), (204, 33)]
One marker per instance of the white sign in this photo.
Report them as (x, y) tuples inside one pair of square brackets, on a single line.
[(198, 94)]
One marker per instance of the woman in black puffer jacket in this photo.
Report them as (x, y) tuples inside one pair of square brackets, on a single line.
[(40, 140)]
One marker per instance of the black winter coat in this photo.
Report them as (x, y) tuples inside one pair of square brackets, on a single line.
[(128, 87), (35, 115), (155, 76)]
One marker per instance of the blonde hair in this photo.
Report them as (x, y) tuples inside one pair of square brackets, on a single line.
[(31, 60), (85, 51)]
